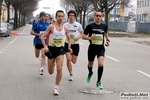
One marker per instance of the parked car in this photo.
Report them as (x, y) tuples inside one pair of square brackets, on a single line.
[(5, 29)]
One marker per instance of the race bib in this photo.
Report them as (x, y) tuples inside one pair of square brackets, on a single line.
[(41, 32), (98, 39), (58, 41), (72, 36)]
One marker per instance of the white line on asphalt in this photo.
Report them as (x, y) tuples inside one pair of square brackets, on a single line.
[(11, 42), (81, 43), (113, 58), (143, 73)]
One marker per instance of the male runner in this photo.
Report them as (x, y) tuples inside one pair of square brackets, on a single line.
[(75, 32), (37, 30), (96, 32), (55, 39)]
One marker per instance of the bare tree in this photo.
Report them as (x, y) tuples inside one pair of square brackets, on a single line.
[(107, 5), (23, 7), (80, 6)]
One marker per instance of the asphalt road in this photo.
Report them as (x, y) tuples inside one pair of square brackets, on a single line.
[(126, 69)]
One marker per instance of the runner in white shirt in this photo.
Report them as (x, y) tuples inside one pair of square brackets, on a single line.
[(75, 31)]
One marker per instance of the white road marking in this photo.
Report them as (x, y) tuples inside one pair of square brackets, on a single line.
[(143, 73), (11, 42), (81, 43), (113, 58)]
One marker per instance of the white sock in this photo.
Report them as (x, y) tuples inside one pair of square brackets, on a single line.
[(42, 67), (56, 87)]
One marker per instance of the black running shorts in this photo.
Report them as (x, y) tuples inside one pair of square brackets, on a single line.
[(54, 52), (95, 50), (75, 48), (38, 46)]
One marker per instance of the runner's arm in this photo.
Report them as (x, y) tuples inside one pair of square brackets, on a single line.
[(33, 33), (48, 30), (107, 39), (81, 34), (68, 37), (85, 37)]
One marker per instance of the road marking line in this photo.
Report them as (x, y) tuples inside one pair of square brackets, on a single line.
[(81, 43), (143, 73), (113, 58), (11, 42)]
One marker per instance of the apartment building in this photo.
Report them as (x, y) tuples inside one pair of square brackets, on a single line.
[(143, 10)]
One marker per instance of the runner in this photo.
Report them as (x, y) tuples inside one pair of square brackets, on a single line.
[(51, 20), (54, 50), (96, 32), (47, 18), (37, 30), (76, 31)]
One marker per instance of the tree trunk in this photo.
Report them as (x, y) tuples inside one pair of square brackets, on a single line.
[(80, 17), (106, 18), (15, 19), (8, 13), (19, 19), (0, 17), (106, 13), (84, 19), (24, 20)]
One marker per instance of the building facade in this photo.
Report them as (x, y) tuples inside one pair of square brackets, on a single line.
[(143, 10)]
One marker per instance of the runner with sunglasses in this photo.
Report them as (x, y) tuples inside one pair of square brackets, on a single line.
[(96, 32)]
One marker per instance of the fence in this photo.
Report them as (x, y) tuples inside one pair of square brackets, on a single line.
[(131, 26)]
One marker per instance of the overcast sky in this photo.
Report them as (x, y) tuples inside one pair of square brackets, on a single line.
[(49, 6)]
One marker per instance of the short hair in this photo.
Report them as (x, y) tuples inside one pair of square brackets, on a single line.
[(59, 11), (42, 14), (72, 11)]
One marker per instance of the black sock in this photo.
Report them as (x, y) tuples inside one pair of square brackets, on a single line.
[(100, 72), (71, 74), (90, 70)]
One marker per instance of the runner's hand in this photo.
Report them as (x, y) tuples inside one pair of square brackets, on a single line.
[(92, 36), (45, 49), (39, 34), (107, 43), (77, 38), (70, 50)]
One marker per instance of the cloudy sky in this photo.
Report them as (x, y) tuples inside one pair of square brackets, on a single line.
[(49, 6)]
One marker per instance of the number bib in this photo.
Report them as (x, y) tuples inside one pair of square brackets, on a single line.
[(72, 36), (41, 32), (58, 41), (98, 39)]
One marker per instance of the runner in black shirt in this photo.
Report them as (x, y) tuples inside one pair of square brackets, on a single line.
[(96, 33)]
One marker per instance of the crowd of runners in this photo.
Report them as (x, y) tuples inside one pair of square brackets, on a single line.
[(54, 40)]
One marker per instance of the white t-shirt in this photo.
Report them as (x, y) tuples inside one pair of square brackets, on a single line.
[(74, 31)]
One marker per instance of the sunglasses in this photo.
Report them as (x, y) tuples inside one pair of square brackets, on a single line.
[(98, 15)]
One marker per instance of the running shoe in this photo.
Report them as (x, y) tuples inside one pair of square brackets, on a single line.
[(71, 78), (99, 85), (89, 77), (41, 72), (55, 91)]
